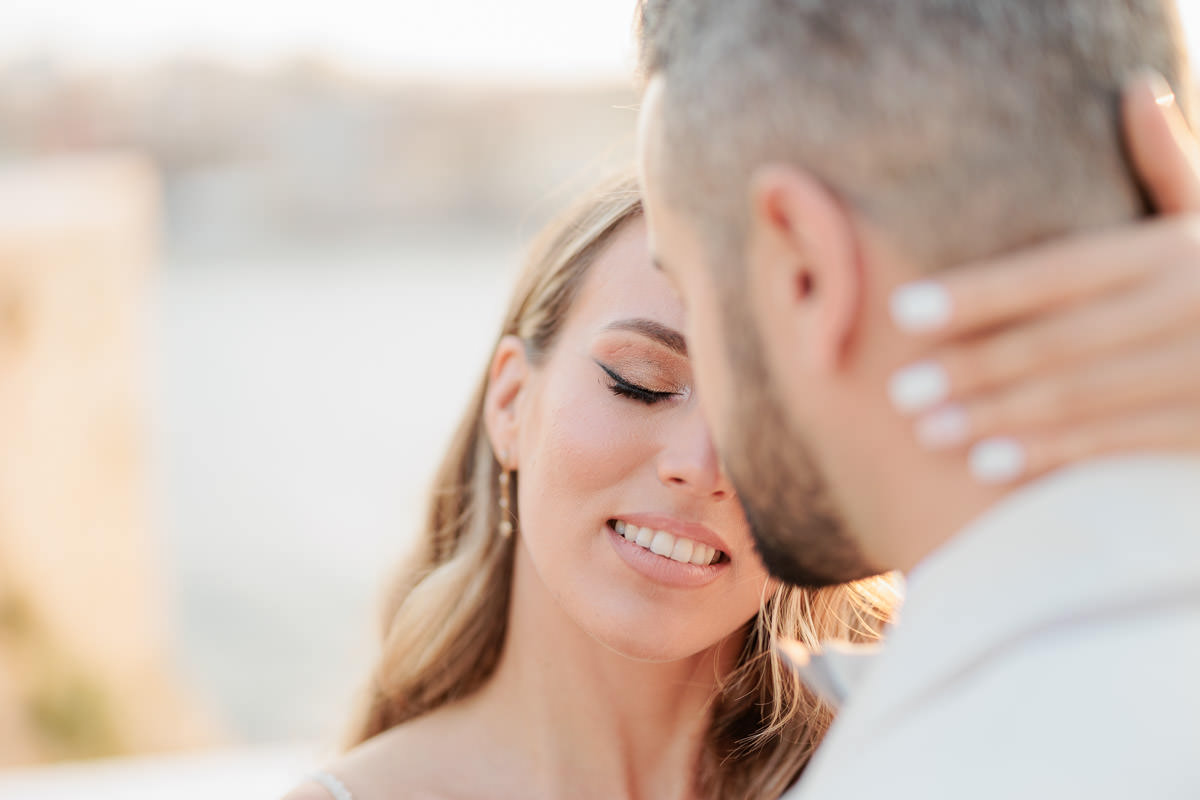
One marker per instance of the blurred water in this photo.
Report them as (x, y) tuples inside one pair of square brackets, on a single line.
[(299, 404)]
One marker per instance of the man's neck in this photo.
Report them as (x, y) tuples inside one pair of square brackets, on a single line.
[(904, 500), (929, 506)]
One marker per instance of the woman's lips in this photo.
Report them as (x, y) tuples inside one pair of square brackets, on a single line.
[(668, 570), (676, 529), (668, 545)]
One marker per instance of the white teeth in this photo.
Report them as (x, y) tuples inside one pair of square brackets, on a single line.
[(667, 545), (645, 536), (683, 550), (662, 544)]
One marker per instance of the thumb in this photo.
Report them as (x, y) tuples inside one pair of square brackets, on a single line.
[(1163, 150)]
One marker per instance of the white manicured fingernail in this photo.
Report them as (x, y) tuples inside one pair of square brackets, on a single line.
[(919, 387), (1164, 95), (944, 428), (999, 460), (921, 307)]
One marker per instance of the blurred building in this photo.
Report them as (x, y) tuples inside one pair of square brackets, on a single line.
[(85, 658), (258, 157)]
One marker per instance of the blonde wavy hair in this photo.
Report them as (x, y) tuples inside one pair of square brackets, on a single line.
[(446, 617)]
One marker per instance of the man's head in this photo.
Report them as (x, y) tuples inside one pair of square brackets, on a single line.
[(801, 158)]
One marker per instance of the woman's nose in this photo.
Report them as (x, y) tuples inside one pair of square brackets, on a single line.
[(688, 459)]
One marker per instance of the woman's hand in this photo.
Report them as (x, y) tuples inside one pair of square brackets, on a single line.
[(1078, 348)]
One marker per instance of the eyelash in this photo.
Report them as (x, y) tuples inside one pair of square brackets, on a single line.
[(623, 388)]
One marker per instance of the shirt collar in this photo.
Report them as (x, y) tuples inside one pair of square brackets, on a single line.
[(834, 671)]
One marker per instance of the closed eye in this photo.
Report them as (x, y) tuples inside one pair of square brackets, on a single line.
[(624, 388)]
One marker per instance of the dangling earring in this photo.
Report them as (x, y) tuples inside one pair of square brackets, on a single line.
[(506, 525)]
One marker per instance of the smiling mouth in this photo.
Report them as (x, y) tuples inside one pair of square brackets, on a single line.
[(666, 545)]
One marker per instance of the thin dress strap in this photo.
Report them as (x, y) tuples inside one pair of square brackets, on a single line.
[(332, 785)]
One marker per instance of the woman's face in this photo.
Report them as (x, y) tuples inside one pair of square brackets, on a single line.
[(626, 515)]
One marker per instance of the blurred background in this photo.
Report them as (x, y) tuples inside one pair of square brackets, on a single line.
[(252, 258)]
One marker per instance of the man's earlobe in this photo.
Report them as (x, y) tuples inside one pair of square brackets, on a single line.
[(806, 237)]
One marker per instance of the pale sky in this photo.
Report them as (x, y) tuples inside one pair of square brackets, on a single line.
[(543, 40), (556, 41)]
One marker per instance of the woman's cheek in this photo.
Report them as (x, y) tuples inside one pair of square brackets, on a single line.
[(594, 441)]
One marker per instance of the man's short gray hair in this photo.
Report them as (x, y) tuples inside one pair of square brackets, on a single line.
[(963, 128)]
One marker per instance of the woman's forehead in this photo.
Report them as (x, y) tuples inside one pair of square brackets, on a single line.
[(623, 283)]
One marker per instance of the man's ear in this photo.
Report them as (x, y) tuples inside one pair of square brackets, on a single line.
[(501, 405), (805, 261)]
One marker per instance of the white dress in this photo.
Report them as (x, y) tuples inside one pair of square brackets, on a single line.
[(335, 787)]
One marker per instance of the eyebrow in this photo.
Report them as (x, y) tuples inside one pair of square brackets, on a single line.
[(669, 337)]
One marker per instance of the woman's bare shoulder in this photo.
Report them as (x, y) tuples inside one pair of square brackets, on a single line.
[(409, 762)]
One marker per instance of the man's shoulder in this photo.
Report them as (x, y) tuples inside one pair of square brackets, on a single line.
[(1122, 684), (1066, 562), (1117, 508), (1110, 707)]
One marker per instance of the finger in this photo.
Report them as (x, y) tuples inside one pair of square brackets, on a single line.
[(1167, 159), (998, 291), (1006, 461), (1160, 378), (1162, 148), (1082, 333), (1160, 431)]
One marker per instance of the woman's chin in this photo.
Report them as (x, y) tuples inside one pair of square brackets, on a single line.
[(654, 633), (653, 646)]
